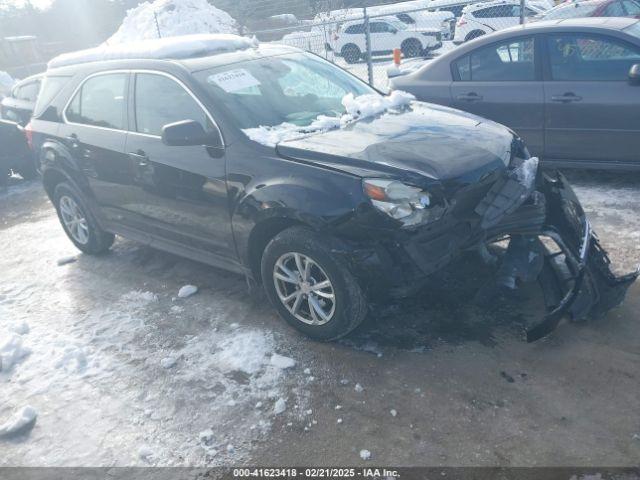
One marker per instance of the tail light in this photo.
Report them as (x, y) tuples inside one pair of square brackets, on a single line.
[(28, 133)]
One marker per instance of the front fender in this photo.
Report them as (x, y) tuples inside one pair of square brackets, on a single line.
[(266, 209)]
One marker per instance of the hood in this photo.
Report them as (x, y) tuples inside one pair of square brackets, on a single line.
[(425, 140)]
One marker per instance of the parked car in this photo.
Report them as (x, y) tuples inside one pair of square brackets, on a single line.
[(412, 13), (387, 34), (15, 154), (593, 8), (273, 163), (19, 104), (482, 18), (456, 6), (570, 88)]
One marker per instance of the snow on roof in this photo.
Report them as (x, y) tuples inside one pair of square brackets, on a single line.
[(186, 46), (171, 18)]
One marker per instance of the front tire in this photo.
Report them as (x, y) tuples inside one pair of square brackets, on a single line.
[(411, 48), (78, 222), (312, 291)]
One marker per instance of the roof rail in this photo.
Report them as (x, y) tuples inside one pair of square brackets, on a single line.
[(170, 48)]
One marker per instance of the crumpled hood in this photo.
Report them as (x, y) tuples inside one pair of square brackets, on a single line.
[(434, 141)]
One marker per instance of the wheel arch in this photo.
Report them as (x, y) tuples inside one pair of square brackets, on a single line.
[(474, 34), (260, 236)]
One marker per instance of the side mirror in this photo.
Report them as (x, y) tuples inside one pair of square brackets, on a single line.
[(190, 133), (634, 74)]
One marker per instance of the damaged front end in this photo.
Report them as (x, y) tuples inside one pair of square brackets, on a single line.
[(551, 240)]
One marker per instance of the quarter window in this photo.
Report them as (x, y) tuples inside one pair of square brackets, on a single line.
[(354, 29), (160, 101), (590, 58), (505, 62), (100, 102)]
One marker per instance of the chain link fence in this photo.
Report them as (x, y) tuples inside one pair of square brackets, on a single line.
[(369, 40)]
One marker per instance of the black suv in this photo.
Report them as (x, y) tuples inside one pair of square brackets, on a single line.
[(278, 165)]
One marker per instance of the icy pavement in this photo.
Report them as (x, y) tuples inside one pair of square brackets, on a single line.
[(121, 371)]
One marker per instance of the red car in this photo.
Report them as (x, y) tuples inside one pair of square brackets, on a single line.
[(593, 8)]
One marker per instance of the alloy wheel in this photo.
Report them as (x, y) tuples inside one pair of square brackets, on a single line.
[(304, 288), (74, 220)]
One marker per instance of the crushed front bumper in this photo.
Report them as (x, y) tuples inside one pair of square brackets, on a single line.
[(575, 272)]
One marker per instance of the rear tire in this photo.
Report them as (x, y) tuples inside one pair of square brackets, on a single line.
[(78, 222), (351, 53), (303, 257), (411, 48)]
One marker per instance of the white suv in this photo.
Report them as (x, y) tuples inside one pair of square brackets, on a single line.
[(387, 34), (486, 17)]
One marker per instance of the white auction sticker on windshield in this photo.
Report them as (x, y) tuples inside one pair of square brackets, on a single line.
[(234, 80)]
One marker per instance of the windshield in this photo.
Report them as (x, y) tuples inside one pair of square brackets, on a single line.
[(397, 24), (295, 88), (571, 11)]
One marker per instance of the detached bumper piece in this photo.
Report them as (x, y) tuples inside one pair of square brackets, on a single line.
[(575, 271)]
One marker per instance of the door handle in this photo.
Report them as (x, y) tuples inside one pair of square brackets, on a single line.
[(73, 140), (141, 157), (566, 98), (470, 97)]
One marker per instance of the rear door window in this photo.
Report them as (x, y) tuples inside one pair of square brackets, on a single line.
[(100, 102), (575, 57), (510, 61)]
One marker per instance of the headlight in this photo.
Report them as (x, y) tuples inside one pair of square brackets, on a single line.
[(405, 203)]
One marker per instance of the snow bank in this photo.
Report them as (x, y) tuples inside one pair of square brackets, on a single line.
[(171, 18), (174, 47), (356, 108), (18, 422)]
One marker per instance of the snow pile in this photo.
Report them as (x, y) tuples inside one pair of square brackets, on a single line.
[(356, 108), (246, 352), (280, 406), (365, 454), (172, 18), (174, 48), (282, 362), (18, 422), (138, 298), (187, 291), (11, 351)]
